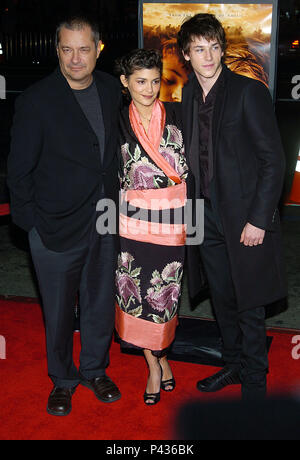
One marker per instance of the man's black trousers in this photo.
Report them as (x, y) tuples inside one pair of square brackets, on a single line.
[(88, 269), (243, 332)]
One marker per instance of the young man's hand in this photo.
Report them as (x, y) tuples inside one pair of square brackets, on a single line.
[(252, 236)]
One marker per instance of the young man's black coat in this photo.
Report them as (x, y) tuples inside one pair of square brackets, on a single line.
[(249, 167)]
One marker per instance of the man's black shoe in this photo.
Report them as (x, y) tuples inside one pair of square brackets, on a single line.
[(227, 376), (104, 388), (59, 402)]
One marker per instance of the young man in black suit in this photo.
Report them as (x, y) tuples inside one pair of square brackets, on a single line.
[(237, 167), (63, 160)]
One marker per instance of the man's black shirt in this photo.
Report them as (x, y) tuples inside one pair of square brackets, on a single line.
[(205, 114)]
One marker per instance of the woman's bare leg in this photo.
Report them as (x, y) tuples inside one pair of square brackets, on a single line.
[(154, 379)]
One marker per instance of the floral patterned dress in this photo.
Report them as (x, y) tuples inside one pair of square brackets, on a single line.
[(149, 276)]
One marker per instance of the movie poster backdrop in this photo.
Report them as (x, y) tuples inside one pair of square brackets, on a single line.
[(251, 30)]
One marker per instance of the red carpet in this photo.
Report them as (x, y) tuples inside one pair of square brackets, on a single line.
[(25, 387)]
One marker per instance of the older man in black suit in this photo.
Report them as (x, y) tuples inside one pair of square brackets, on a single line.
[(237, 166), (63, 160)]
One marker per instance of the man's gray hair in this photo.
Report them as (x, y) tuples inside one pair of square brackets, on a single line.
[(78, 23)]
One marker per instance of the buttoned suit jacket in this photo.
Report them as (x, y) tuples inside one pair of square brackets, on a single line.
[(55, 173)]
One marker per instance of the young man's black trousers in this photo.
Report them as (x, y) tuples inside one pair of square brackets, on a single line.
[(243, 332)]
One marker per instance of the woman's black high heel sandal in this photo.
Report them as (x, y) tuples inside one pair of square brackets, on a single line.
[(168, 383), (152, 398)]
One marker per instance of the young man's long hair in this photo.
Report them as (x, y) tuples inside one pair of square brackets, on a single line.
[(201, 25)]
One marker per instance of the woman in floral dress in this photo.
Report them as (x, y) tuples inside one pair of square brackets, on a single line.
[(152, 231)]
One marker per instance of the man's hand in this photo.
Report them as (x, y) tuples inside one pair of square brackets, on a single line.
[(252, 236)]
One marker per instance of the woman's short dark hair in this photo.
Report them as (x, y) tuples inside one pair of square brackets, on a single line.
[(78, 23), (138, 59), (201, 25)]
